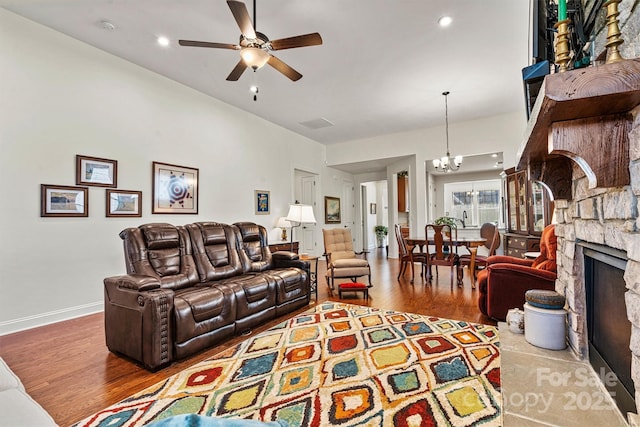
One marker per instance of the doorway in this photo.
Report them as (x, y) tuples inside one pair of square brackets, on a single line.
[(305, 193), (375, 211)]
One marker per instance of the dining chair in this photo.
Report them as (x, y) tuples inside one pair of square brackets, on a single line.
[(443, 238), (477, 257), (406, 256)]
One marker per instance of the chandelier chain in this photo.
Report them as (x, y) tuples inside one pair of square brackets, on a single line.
[(447, 164), (446, 119)]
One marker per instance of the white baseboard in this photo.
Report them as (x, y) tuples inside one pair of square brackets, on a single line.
[(29, 322)]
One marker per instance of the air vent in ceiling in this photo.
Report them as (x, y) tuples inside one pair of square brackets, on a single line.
[(317, 123)]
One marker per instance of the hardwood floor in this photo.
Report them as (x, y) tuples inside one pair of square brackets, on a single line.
[(67, 368)]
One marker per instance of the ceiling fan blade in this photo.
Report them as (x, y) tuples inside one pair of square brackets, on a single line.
[(237, 71), (240, 13), (208, 44), (312, 39), (284, 68)]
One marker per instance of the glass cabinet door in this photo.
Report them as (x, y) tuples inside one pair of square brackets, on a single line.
[(523, 222), (538, 219), (512, 205)]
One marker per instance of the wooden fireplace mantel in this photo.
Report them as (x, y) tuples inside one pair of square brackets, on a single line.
[(584, 116)]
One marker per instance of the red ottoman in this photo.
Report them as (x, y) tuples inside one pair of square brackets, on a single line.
[(353, 287)]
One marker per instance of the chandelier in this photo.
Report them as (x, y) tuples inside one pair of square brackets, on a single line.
[(447, 164)]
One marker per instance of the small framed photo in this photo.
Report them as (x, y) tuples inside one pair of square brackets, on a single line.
[(262, 202), (96, 172), (372, 208), (62, 200), (124, 203), (175, 189), (331, 210)]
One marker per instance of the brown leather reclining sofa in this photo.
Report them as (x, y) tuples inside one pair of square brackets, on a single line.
[(189, 287)]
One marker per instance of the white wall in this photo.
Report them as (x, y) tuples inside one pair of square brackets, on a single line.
[(502, 133), (60, 98)]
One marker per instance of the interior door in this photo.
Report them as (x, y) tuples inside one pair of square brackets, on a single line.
[(307, 233), (348, 209), (364, 222)]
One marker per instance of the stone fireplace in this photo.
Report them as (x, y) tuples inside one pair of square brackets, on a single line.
[(607, 217), (583, 142)]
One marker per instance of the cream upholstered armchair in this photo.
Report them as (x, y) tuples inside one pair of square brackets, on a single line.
[(342, 261)]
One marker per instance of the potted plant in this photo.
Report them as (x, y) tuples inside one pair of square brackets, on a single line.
[(446, 220), (381, 232)]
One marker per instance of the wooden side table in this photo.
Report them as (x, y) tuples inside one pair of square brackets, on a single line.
[(313, 273), (283, 246)]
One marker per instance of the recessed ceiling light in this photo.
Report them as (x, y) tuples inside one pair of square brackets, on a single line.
[(494, 155), (445, 21), (163, 41)]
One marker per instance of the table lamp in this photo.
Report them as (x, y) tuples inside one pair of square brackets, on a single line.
[(283, 224), (298, 215)]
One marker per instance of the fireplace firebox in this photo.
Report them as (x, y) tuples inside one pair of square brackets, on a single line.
[(608, 329)]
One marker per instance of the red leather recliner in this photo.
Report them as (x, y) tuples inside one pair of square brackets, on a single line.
[(506, 279)]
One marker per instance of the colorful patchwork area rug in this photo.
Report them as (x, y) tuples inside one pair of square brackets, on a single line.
[(337, 365)]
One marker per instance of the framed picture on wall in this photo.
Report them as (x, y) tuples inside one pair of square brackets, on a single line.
[(175, 189), (331, 210), (372, 208), (124, 203), (62, 200), (96, 172), (262, 201)]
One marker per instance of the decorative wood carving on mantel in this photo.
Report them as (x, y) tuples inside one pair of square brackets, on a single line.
[(582, 115)]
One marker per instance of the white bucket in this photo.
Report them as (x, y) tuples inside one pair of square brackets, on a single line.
[(545, 328)]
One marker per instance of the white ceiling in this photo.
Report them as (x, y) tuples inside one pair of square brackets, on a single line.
[(381, 69)]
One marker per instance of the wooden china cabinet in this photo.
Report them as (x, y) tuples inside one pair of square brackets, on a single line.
[(284, 246), (528, 212)]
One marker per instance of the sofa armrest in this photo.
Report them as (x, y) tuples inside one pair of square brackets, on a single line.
[(519, 272), (135, 282), (505, 259), (16, 406), (284, 255), (139, 323), (284, 259), (507, 284)]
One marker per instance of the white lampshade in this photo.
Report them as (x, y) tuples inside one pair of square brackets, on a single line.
[(254, 57), (457, 160), (283, 223), (301, 214)]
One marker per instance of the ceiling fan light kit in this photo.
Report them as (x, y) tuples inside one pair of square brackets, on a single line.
[(446, 164), (254, 57), (254, 47)]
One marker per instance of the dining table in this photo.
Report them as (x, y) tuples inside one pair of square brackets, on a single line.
[(470, 242)]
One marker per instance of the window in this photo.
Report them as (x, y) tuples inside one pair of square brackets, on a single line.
[(474, 202)]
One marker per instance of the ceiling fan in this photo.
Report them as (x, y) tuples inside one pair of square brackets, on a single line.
[(255, 47)]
